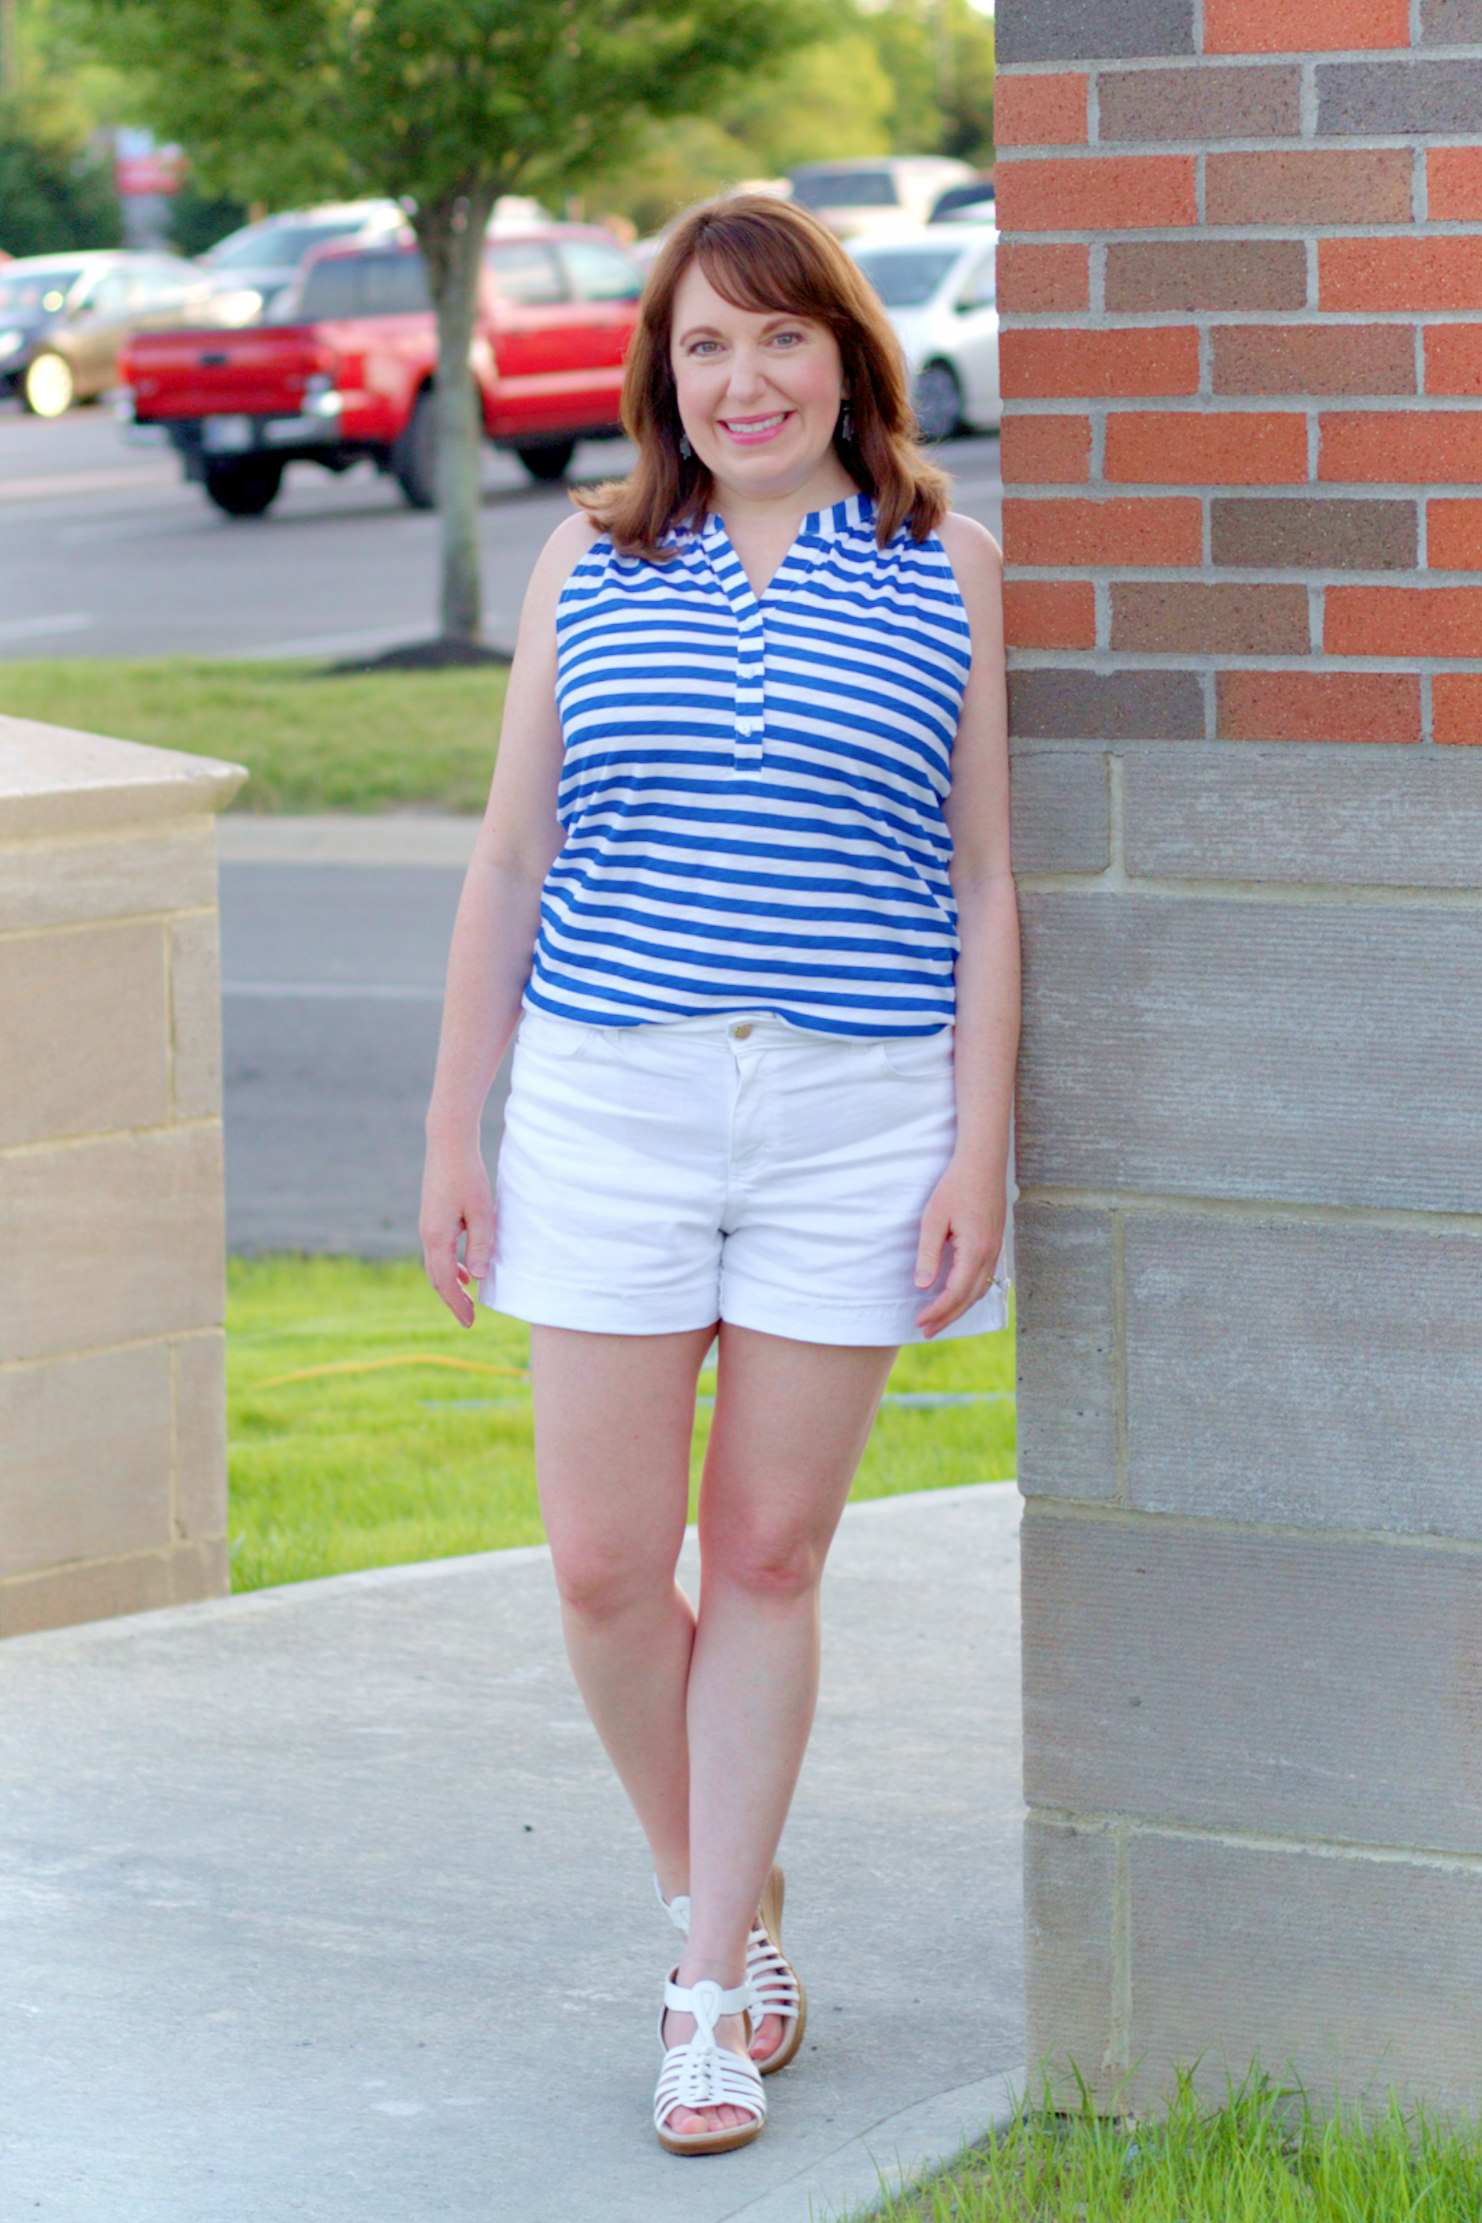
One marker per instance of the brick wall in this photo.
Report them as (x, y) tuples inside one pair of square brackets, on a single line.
[(1241, 285), (112, 1422)]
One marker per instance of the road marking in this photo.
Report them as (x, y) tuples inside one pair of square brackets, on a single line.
[(333, 991), (86, 482), (37, 628)]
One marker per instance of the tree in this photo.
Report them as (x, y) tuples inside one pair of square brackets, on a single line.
[(53, 198), (445, 108)]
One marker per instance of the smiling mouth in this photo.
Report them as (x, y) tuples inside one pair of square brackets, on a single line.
[(754, 428)]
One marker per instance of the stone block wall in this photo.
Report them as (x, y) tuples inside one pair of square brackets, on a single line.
[(112, 1430), (1241, 289)]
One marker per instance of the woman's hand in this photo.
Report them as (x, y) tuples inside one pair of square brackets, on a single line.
[(456, 1200), (968, 1208)]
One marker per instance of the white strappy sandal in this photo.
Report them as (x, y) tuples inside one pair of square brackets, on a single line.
[(701, 2073), (776, 1987)]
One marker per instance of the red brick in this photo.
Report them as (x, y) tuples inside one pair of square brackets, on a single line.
[(1107, 193), (1199, 448), (1168, 617), (1314, 359), (1453, 535), (1442, 272), (1049, 613), (1317, 706), (1453, 183), (1333, 186), (1456, 708), (1045, 363), (1040, 111), (1403, 621), (1045, 451), (1402, 447), (1033, 277), (1303, 26), (1072, 531), (1453, 359)]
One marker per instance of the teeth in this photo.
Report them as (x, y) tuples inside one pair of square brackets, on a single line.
[(755, 424)]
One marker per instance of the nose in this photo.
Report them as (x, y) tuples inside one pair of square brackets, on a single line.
[(747, 380)]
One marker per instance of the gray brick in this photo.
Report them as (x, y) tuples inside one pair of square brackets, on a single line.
[(1291, 1685), (1207, 103), (1406, 96), (1072, 704), (1364, 1975), (1318, 535), (1240, 1049), (1061, 811), (1145, 275), (1451, 22), (1321, 1376), (1365, 815), (1067, 1420), (1068, 1884), (1088, 30)]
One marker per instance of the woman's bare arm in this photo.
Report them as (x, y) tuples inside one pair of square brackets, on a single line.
[(494, 938), (969, 1205)]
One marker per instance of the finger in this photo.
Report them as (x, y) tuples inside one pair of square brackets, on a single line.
[(934, 1228), (970, 1278), (440, 1259), (479, 1248)]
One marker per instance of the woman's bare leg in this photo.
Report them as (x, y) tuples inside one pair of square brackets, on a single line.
[(791, 1422), (614, 1416)]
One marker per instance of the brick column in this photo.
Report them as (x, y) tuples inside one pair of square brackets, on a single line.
[(112, 1423), (1242, 454)]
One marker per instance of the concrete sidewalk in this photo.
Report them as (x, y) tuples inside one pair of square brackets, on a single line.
[(321, 1903)]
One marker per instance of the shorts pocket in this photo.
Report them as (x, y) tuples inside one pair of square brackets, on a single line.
[(551, 1037), (919, 1056)]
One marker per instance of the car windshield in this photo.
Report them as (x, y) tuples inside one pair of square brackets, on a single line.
[(907, 277), (36, 292), (276, 246), (846, 189)]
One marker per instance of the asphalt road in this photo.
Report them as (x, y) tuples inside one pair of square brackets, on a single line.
[(105, 552), (332, 972)]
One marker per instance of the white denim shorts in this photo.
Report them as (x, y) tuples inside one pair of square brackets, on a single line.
[(658, 1178)]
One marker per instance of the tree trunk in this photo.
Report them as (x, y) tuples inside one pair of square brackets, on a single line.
[(450, 232)]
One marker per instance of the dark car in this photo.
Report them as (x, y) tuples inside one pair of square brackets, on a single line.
[(63, 319)]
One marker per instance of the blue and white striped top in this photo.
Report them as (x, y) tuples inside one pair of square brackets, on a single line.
[(752, 788)]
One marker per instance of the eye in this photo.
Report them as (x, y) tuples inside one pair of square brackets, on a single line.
[(702, 347), (788, 339)]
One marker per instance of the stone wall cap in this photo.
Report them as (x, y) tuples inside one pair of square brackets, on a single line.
[(56, 781)]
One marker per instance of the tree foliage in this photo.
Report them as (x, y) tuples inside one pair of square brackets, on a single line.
[(444, 107), (54, 198)]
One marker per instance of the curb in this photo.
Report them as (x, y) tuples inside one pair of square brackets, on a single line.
[(919, 2141)]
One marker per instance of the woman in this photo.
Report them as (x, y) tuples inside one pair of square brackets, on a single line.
[(745, 867)]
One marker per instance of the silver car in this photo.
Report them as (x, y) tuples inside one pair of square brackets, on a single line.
[(937, 285)]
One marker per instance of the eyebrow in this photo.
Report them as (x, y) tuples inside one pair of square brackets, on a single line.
[(712, 332)]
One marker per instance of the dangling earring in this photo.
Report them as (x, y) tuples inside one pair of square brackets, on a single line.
[(846, 423), (684, 445)]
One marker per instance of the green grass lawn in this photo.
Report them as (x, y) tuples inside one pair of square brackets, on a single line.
[(404, 1437), (1260, 2158), (311, 742)]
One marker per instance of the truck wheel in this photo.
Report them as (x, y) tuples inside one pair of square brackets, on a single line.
[(552, 461), (414, 456), (246, 486)]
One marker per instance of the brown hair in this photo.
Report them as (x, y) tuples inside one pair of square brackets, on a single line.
[(762, 253)]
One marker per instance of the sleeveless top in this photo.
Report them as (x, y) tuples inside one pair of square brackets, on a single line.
[(752, 787)]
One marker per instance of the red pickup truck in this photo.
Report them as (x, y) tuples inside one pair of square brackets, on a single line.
[(350, 371)]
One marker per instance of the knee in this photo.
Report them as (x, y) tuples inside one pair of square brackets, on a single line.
[(780, 1563), (600, 1585)]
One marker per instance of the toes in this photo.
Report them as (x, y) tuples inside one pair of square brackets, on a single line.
[(767, 2039)]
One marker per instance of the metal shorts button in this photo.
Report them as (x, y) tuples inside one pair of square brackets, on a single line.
[(740, 1033)]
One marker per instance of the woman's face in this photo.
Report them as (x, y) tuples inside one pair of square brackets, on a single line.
[(759, 390)]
